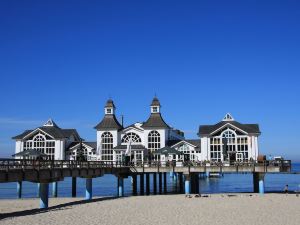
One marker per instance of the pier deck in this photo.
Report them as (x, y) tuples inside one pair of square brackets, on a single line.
[(12, 170)]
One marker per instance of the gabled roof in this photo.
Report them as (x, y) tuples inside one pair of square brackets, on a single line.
[(249, 128), (52, 130), (194, 142), (91, 144), (155, 121), (30, 153), (109, 122), (167, 151)]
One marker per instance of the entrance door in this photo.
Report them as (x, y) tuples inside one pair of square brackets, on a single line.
[(186, 157)]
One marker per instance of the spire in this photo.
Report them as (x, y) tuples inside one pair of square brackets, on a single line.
[(228, 117), (155, 105), (50, 123), (109, 108)]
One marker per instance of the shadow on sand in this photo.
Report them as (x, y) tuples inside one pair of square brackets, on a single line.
[(52, 208)]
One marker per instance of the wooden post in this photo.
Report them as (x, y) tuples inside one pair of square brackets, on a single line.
[(54, 189), (120, 187)]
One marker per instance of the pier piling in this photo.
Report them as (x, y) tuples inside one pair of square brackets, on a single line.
[(160, 183), (44, 195), (165, 183), (258, 183), (180, 182), (134, 185), (89, 189), (147, 184), (19, 189), (187, 184), (154, 184), (120, 187), (54, 189), (73, 187), (142, 184), (38, 190)]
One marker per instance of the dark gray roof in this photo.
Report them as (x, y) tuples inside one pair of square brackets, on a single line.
[(155, 121), (155, 102), (167, 151), (109, 122), (133, 147), (31, 153), (53, 131), (249, 128), (110, 103), (195, 142)]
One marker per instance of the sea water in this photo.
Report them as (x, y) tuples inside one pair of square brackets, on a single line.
[(107, 185)]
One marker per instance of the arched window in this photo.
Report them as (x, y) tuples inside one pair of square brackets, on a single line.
[(39, 143), (153, 141), (107, 146), (131, 137), (229, 136)]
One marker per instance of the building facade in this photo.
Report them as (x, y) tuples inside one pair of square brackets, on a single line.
[(153, 139), (229, 140)]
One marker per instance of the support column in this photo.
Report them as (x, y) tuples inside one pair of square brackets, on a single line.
[(160, 183), (134, 185), (38, 190), (258, 183), (44, 195), (187, 184), (154, 184), (165, 183), (180, 183), (88, 189), (19, 189), (142, 184), (74, 187), (172, 174), (120, 187), (207, 174), (147, 184), (54, 189), (194, 183)]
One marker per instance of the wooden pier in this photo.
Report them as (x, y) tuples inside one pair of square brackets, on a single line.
[(187, 173)]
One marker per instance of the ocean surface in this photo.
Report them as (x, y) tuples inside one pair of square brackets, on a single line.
[(107, 185)]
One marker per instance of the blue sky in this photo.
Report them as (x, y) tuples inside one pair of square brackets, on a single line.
[(63, 59)]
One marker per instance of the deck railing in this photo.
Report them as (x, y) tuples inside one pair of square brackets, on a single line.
[(26, 164)]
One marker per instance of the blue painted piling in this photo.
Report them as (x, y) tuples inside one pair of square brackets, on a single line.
[(187, 185), (19, 189), (89, 189), (172, 175), (261, 186), (38, 190), (120, 186), (54, 189), (44, 195)]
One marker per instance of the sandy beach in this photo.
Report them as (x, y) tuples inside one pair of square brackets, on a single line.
[(239, 209)]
